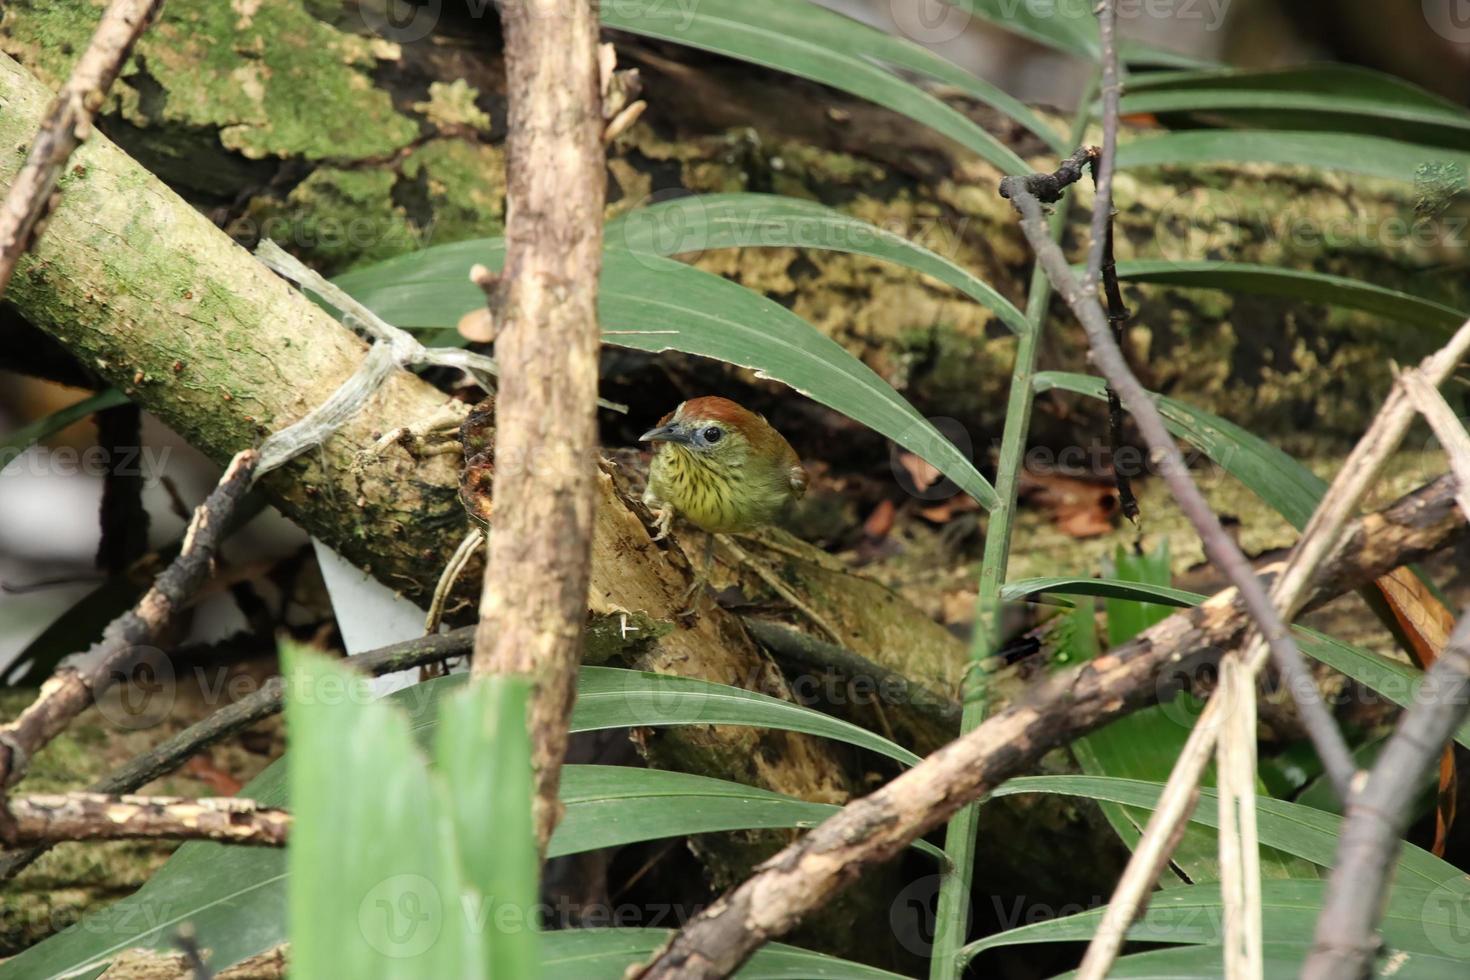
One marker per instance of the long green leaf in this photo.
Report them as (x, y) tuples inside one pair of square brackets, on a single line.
[(482, 758), (17, 442), (1336, 96), (1300, 830), (811, 42), (1194, 914), (608, 697), (1278, 960), (604, 954), (1109, 588), (1297, 284), (655, 304), (1374, 156), (612, 805), (699, 222)]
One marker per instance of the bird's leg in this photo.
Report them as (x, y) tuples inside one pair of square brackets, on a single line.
[(780, 588), (663, 521)]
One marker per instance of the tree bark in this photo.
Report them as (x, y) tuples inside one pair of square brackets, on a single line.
[(535, 594)]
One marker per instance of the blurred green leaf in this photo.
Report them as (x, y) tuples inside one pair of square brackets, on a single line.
[(1106, 587), (393, 868), (654, 304)]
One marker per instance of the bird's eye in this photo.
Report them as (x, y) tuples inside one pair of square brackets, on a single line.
[(712, 434)]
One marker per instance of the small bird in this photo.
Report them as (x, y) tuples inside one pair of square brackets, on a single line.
[(720, 466)]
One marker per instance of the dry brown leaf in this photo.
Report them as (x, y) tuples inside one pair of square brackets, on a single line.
[(1427, 624), (921, 471)]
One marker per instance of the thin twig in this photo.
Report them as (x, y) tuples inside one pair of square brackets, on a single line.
[(1310, 560), (1450, 431), (1118, 314), (534, 600), (1102, 165), (1377, 817), (1239, 845), (1100, 247), (81, 678), (67, 123), (50, 818), (808, 873), (239, 715)]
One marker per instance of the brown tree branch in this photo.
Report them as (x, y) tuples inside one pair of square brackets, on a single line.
[(81, 679), (1154, 666), (1377, 816), (50, 818), (67, 123), (534, 602)]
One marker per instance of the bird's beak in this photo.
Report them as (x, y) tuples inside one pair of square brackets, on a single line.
[(666, 433)]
